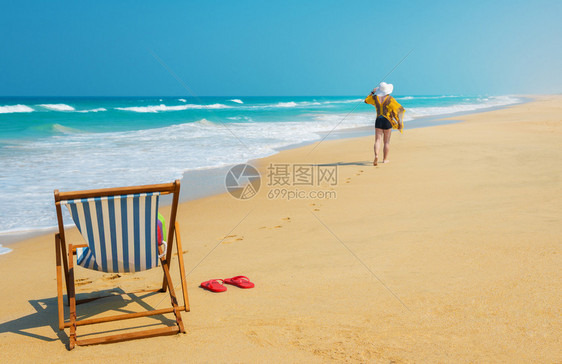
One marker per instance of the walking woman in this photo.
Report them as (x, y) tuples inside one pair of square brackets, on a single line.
[(389, 115)]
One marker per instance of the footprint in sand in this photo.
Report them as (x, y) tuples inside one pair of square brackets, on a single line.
[(287, 219), (82, 281), (238, 238), (316, 209), (109, 277), (276, 226)]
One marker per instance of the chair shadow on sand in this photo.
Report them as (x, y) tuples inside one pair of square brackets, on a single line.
[(94, 303)]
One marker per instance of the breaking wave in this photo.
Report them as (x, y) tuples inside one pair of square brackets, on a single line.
[(93, 110), (162, 107), (58, 107), (8, 109)]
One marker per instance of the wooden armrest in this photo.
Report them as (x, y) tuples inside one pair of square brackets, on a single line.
[(74, 247)]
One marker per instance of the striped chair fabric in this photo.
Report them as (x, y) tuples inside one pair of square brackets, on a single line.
[(121, 231)]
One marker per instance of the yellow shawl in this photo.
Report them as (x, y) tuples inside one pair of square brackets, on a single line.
[(389, 108)]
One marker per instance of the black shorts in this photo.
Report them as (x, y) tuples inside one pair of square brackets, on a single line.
[(383, 123)]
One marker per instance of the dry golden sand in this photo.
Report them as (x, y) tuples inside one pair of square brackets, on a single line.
[(450, 253)]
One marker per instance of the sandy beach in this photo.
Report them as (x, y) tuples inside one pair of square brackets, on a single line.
[(449, 253)]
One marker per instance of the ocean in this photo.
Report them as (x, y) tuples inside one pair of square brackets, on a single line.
[(84, 143)]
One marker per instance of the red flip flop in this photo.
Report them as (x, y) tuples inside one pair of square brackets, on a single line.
[(213, 285), (239, 281)]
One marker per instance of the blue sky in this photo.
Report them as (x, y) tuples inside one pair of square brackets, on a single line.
[(105, 48)]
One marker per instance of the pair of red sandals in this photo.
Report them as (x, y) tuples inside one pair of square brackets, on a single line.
[(214, 285)]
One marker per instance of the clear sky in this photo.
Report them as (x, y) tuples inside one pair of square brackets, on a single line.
[(245, 48)]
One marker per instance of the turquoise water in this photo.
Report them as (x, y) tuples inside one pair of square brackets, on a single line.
[(83, 143)]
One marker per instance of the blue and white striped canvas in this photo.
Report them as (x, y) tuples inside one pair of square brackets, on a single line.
[(121, 231)]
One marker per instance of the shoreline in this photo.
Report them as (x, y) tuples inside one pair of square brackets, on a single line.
[(210, 181)]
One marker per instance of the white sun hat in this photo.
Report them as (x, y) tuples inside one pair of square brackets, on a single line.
[(384, 89)]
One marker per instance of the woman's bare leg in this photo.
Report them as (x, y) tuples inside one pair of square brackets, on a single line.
[(378, 141), (386, 149)]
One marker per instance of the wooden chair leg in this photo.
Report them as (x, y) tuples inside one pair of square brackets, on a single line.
[(62, 238), (59, 282), (182, 268), (65, 258), (72, 298), (172, 295)]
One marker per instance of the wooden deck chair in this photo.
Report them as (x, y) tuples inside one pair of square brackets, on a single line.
[(119, 226)]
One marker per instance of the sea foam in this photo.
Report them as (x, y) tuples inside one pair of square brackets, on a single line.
[(97, 160), (286, 104), (293, 104), (472, 105), (8, 109), (162, 107), (93, 110), (352, 101), (4, 250), (238, 101), (58, 107)]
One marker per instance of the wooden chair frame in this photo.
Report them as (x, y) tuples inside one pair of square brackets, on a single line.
[(65, 255)]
